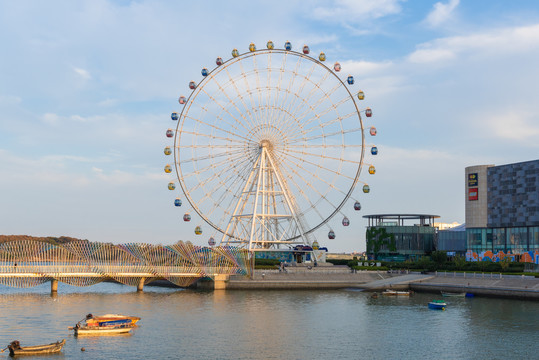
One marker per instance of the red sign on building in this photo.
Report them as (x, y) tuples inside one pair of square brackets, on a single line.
[(473, 194)]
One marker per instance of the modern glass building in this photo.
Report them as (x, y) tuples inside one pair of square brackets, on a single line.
[(502, 212), (398, 237)]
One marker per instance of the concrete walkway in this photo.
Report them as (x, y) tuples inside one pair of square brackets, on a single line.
[(511, 286), (397, 282), (524, 287)]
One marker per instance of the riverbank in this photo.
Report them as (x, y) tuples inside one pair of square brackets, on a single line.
[(492, 285)]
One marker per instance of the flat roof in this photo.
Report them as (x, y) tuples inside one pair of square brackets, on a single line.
[(400, 216)]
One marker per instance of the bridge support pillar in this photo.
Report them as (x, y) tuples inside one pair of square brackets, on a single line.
[(140, 286), (54, 286), (219, 282)]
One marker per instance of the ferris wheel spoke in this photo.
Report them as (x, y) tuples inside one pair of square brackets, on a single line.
[(322, 156), (313, 175), (209, 156), (256, 117), (248, 121), (331, 121), (236, 120), (340, 146), (302, 104), (278, 87), (317, 165), (268, 90), (293, 76), (316, 88), (300, 188), (225, 166), (323, 136), (228, 192), (302, 85), (239, 94), (321, 113), (216, 175), (216, 128), (209, 136), (210, 146), (258, 87)]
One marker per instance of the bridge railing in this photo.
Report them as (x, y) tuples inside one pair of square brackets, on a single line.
[(26, 263)]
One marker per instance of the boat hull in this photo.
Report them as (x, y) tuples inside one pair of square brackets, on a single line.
[(101, 330), (450, 294), (112, 319), (437, 306), (396, 293), (38, 349)]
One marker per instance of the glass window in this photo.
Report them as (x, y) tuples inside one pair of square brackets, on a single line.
[(475, 239), (534, 238), (490, 239), (517, 240), (498, 240)]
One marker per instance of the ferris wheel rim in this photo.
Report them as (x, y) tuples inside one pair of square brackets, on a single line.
[(190, 99)]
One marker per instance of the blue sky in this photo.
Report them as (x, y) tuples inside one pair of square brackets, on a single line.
[(87, 87)]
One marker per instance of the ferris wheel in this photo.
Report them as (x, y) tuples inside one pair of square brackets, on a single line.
[(269, 147)]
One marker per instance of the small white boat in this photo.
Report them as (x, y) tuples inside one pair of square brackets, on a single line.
[(389, 292), (451, 294), (437, 305)]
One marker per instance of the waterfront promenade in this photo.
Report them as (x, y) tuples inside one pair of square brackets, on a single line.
[(301, 278)]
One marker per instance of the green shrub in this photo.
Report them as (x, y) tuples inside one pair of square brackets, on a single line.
[(338, 261), (266, 262)]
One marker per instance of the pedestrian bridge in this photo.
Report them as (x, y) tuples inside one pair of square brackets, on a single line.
[(27, 263)]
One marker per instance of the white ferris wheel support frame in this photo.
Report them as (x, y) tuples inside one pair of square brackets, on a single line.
[(265, 192)]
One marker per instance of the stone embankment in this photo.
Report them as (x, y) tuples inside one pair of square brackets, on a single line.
[(300, 278), (494, 285)]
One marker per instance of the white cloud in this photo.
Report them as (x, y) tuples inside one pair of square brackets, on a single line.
[(51, 119), (496, 42), (441, 13), (55, 119), (511, 126), (10, 100), (365, 68), (108, 103), (357, 10), (82, 73)]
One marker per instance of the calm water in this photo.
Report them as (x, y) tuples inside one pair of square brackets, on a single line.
[(186, 324)]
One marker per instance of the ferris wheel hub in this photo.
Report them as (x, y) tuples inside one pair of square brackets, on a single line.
[(266, 144)]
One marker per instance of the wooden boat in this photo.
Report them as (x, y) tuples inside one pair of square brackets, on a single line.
[(101, 330), (389, 292), (437, 305), (111, 319), (451, 294), (15, 348)]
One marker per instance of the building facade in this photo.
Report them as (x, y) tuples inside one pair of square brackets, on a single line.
[(502, 212), (398, 237)]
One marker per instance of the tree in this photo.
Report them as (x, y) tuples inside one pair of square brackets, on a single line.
[(378, 237), (439, 257)]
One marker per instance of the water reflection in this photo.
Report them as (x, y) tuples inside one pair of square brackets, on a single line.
[(270, 324)]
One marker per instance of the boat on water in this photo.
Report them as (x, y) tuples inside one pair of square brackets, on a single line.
[(389, 292), (453, 294), (15, 348), (101, 330), (109, 324), (111, 319), (437, 305)]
